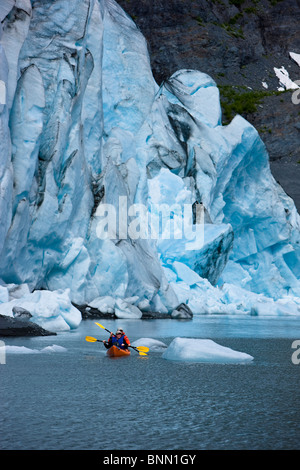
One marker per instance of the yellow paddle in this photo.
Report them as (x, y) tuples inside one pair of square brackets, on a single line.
[(90, 339)]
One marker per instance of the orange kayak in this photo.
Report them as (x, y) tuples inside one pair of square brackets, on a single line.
[(114, 351)]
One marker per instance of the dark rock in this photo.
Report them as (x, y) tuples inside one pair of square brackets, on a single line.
[(10, 326), (182, 312), (89, 313), (155, 316), (20, 312)]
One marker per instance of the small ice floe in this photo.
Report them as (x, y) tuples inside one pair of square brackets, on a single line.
[(153, 344), (23, 350), (203, 350), (19, 350), (284, 79), (55, 348)]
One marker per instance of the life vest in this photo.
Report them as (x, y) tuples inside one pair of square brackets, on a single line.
[(118, 342)]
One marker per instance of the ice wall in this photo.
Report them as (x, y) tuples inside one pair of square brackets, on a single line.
[(83, 124)]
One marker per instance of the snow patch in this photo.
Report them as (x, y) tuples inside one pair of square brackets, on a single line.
[(284, 79)]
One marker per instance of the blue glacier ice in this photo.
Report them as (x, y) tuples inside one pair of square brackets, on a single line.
[(83, 124)]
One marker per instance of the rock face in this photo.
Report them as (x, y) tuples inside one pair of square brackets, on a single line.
[(22, 313), (238, 43), (17, 327), (182, 312)]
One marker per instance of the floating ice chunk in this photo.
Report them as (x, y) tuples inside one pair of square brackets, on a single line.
[(23, 350), (54, 348), (153, 344), (203, 350), (19, 350)]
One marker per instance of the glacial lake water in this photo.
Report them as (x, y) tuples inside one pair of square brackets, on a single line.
[(77, 398)]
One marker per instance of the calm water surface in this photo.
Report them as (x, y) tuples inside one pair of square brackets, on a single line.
[(78, 398)]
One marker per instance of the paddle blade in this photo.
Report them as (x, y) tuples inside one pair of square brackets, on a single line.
[(142, 348), (142, 353), (90, 339), (101, 326)]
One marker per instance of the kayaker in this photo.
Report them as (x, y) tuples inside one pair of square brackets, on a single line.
[(119, 339)]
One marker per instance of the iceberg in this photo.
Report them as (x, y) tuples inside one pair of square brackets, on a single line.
[(100, 141), (153, 344), (203, 350)]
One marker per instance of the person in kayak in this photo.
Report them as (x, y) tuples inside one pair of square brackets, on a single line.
[(119, 339)]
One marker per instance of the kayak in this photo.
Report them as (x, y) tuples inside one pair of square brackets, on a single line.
[(114, 351)]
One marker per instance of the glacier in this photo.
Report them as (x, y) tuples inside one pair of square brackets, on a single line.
[(84, 126)]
